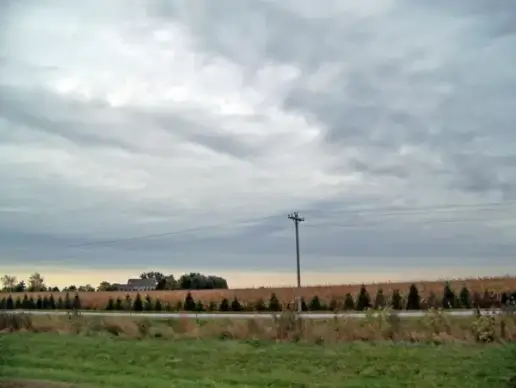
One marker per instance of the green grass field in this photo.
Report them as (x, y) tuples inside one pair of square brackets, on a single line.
[(104, 361)]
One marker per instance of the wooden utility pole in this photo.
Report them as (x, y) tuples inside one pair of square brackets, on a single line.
[(295, 217)]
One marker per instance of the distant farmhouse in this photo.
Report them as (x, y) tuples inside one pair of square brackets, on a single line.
[(138, 285)]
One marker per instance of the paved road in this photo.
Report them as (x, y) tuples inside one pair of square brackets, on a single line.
[(401, 314)]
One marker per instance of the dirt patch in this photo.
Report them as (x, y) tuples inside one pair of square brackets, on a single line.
[(33, 384)]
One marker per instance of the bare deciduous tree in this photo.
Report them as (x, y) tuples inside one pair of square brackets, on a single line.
[(8, 282)]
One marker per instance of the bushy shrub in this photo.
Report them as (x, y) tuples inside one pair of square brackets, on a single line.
[(110, 305), (148, 305), (315, 304), (199, 307), (224, 305), (380, 302), (274, 304), (464, 297), (189, 304), (235, 305), (349, 303), (396, 300), (364, 300), (260, 305), (413, 299), (138, 304)]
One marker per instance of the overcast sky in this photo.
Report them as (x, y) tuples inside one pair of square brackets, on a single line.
[(389, 125)]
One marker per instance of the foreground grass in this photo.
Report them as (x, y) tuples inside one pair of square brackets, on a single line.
[(104, 361)]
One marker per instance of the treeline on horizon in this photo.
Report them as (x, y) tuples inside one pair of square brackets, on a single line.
[(189, 281), (413, 301)]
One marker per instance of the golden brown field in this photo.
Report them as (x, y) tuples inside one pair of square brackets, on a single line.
[(98, 300)]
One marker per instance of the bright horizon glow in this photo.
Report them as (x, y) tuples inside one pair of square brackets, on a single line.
[(237, 279)]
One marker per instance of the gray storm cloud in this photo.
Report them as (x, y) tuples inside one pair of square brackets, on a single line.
[(214, 120)]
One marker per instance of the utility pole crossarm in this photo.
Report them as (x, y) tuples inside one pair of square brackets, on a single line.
[(295, 217)]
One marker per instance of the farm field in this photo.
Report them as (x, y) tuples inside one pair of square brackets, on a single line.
[(98, 300), (156, 363)]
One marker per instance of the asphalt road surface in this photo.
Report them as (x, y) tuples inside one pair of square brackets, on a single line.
[(165, 315)]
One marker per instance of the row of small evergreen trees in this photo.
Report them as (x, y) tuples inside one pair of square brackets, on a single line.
[(412, 301), (44, 303)]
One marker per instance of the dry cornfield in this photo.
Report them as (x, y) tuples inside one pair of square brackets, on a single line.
[(98, 300)]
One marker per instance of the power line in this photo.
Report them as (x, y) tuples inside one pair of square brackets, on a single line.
[(379, 212), (379, 215), (397, 210), (382, 210), (502, 217), (166, 234)]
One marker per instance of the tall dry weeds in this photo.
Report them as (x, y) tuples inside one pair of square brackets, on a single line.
[(384, 325), (15, 322)]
